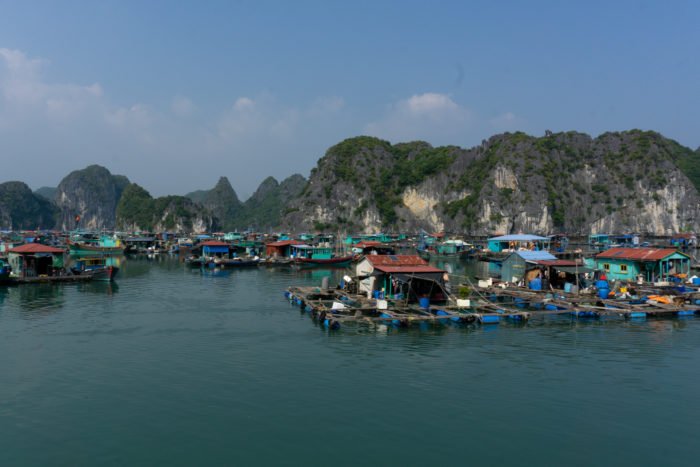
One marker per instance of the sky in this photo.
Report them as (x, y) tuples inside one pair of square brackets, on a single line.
[(176, 94)]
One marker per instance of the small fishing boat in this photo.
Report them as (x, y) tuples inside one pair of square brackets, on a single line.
[(335, 261), (447, 249), (312, 256), (236, 262), (105, 245), (96, 266)]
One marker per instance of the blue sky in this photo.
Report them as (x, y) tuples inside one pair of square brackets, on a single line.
[(175, 94)]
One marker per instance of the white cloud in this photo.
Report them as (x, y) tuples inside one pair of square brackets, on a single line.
[(182, 106), (430, 104), (430, 116), (67, 126), (24, 94), (244, 104)]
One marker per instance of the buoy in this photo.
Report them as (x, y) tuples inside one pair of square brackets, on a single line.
[(490, 319)]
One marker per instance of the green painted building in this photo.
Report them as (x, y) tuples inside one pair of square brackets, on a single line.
[(653, 264)]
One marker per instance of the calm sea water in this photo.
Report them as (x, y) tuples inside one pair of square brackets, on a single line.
[(174, 367)]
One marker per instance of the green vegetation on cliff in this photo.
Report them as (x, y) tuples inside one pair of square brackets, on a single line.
[(137, 209), (22, 209), (559, 182)]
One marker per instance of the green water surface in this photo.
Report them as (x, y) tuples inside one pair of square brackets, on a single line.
[(170, 366)]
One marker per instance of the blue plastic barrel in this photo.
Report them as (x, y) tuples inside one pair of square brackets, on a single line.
[(424, 302), (638, 314), (567, 287), (696, 281), (603, 293), (686, 313), (602, 285), (490, 319), (536, 284)]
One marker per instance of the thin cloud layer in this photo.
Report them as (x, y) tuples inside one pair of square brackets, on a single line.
[(67, 126)]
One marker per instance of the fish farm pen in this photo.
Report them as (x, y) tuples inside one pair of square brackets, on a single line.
[(334, 308)]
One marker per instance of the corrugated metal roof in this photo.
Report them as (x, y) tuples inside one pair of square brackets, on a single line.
[(528, 255), (214, 243), (410, 269), (396, 260), (36, 248), (558, 262), (638, 254), (281, 243), (518, 238)]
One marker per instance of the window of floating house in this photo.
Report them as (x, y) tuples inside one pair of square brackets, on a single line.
[(623, 268), (606, 267)]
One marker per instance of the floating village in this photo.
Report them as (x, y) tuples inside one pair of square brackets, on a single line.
[(392, 279)]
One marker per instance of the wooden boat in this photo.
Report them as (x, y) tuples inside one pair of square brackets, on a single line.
[(86, 249), (335, 261), (236, 262), (95, 266), (312, 256)]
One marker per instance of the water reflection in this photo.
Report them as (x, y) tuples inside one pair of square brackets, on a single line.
[(99, 287), (33, 298)]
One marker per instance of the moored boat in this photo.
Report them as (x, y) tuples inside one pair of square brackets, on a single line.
[(335, 261), (95, 266)]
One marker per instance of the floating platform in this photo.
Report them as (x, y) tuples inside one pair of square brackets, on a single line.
[(335, 307)]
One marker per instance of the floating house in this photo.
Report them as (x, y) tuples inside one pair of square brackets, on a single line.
[(35, 260), (311, 252), (372, 248), (684, 240), (233, 236), (507, 243), (215, 249), (605, 241), (134, 244), (515, 265), (379, 237), (407, 277), (653, 264), (279, 249)]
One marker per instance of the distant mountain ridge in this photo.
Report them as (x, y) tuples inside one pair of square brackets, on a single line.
[(567, 182), (561, 182)]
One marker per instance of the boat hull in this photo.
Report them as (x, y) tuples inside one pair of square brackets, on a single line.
[(89, 250), (332, 262)]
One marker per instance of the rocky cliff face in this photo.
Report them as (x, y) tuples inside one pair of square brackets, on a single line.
[(568, 182), (92, 194), (221, 201), (139, 211), (20, 209), (264, 209)]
